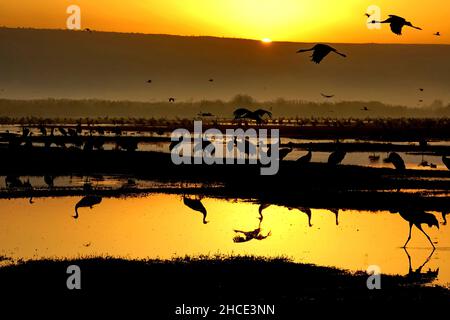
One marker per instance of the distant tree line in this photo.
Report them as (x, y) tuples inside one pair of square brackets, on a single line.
[(280, 108)]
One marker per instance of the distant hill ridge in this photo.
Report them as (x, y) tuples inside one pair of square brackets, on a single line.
[(116, 66)]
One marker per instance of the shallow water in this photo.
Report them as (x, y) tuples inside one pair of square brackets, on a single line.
[(161, 226)]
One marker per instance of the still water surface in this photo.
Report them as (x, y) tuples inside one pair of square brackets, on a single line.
[(161, 226)]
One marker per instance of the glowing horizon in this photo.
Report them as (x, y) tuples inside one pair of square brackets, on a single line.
[(278, 20)]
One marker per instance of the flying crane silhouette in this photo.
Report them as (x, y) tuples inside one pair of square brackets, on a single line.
[(397, 23), (320, 51), (257, 115)]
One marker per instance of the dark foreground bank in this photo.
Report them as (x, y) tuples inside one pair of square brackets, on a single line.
[(165, 287)]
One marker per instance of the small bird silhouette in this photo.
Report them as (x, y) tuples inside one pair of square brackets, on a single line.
[(258, 115), (327, 96), (171, 99), (397, 23), (365, 109), (149, 81), (320, 51), (437, 34), (421, 89)]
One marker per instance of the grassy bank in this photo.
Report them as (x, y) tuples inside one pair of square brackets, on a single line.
[(215, 280)]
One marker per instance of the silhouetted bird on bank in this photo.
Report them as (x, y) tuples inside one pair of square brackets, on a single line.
[(421, 89), (365, 109), (397, 23), (87, 201), (437, 34), (149, 81), (327, 96), (320, 51), (446, 162), (258, 115), (171, 99), (336, 157), (283, 152), (305, 159), (396, 160), (196, 205), (88, 30), (418, 217), (211, 80)]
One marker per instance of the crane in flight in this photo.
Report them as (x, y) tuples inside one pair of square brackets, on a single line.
[(320, 51), (257, 115), (397, 23)]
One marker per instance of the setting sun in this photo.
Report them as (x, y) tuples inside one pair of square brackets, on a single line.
[(266, 40)]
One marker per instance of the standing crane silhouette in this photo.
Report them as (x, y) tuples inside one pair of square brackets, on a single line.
[(337, 156), (87, 201), (417, 217), (305, 159), (196, 205), (320, 51), (396, 160), (397, 23)]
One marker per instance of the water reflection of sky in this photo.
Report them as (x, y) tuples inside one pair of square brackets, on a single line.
[(161, 226)]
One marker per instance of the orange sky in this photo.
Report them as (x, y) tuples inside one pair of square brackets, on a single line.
[(279, 20)]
